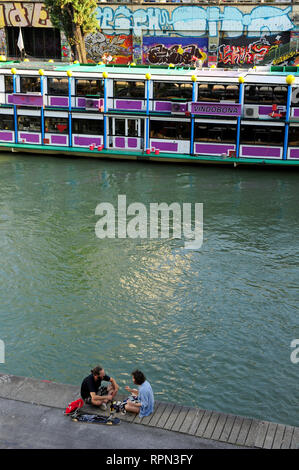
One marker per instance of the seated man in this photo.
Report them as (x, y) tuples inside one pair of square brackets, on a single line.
[(93, 393), (145, 404)]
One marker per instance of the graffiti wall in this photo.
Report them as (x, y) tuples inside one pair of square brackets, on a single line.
[(248, 51), (177, 51), (24, 14), (195, 20), (119, 46)]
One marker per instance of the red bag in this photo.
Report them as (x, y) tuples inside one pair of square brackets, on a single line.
[(74, 405)]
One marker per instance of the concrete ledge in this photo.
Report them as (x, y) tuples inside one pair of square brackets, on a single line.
[(221, 427)]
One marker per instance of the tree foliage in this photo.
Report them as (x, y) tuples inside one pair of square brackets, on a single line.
[(76, 18)]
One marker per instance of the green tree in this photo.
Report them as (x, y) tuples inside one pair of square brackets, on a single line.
[(76, 18)]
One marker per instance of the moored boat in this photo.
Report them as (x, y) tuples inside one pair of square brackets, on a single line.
[(173, 114)]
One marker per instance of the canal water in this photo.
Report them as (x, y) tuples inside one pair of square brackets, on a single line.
[(210, 327)]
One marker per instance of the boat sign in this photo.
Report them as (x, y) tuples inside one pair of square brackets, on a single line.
[(219, 109)]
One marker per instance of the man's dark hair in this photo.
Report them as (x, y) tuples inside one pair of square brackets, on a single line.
[(139, 377), (96, 370)]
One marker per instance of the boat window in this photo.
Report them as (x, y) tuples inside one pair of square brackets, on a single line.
[(90, 87), (58, 86), (120, 127), (293, 136), (128, 89), (6, 122), (174, 130), (88, 126), (262, 94), (262, 135), (8, 83), (213, 92), (172, 90), (29, 123), (207, 132), (30, 84), (56, 125)]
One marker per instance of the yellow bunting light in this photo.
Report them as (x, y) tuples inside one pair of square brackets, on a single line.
[(101, 63), (148, 76), (290, 79), (241, 79), (171, 66), (69, 73), (180, 50), (41, 71), (2, 58), (194, 78), (133, 64), (105, 74), (13, 71), (51, 60), (26, 60), (213, 66), (76, 61)]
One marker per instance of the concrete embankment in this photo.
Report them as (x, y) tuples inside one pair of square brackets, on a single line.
[(31, 417)]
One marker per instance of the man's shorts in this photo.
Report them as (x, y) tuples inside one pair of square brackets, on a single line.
[(101, 392)]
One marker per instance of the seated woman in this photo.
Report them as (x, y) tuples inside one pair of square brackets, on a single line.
[(145, 404)]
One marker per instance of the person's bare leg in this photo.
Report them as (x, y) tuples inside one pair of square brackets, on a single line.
[(131, 407)]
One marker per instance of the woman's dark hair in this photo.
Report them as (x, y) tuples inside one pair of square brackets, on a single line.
[(139, 377), (96, 370)]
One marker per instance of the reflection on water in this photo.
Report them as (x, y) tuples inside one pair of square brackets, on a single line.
[(210, 327)]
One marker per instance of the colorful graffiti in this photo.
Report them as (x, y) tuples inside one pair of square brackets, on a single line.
[(119, 46), (24, 14), (177, 51), (250, 51), (195, 20)]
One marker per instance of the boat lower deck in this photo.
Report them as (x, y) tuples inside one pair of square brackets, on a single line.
[(142, 156)]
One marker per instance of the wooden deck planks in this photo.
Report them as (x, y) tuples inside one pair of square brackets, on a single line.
[(237, 430), (211, 425), (269, 438), (287, 437), (165, 415), (219, 427)]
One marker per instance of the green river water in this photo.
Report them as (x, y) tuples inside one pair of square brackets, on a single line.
[(210, 327)]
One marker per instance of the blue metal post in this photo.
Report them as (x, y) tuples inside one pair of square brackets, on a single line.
[(241, 90), (287, 123), (192, 120), (42, 108), (70, 111), (105, 111), (15, 109), (147, 115)]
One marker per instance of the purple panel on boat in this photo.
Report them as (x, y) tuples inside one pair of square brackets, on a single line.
[(30, 138), (10, 99), (59, 101), (81, 102), (213, 149), (295, 112), (167, 146), (294, 153), (163, 106), (265, 110), (128, 104), (59, 139), (6, 136), (25, 99), (85, 141), (132, 143), (261, 152), (120, 142)]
